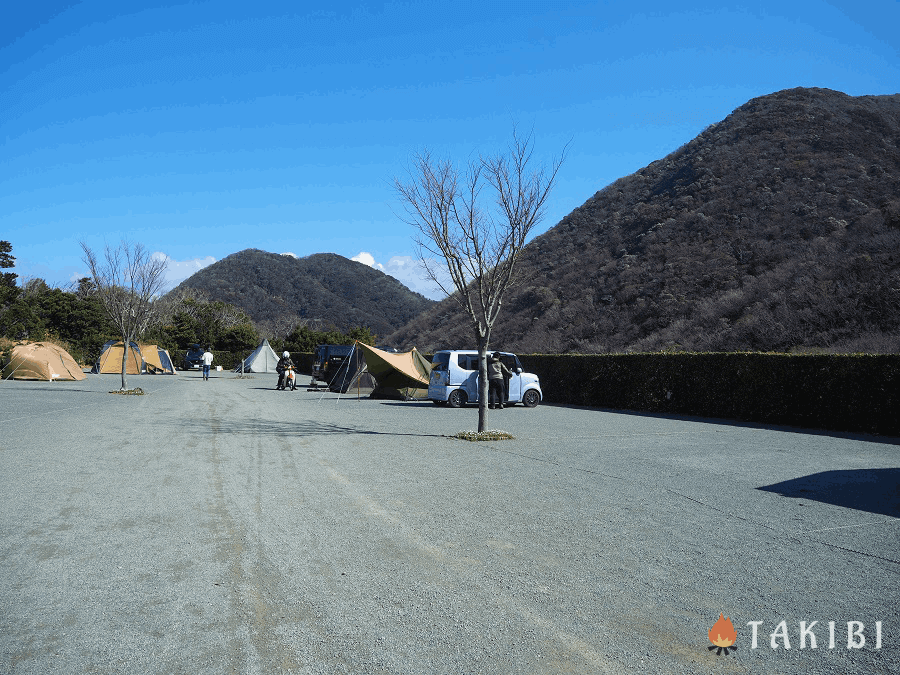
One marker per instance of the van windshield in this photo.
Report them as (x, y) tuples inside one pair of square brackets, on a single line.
[(440, 361)]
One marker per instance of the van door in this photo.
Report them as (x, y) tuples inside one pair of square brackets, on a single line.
[(514, 393), (468, 364)]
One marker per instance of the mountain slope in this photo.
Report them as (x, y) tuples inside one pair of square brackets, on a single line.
[(324, 287), (777, 228)]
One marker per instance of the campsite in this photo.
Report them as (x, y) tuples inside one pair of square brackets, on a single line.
[(223, 526)]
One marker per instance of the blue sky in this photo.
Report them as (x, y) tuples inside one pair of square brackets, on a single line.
[(203, 128)]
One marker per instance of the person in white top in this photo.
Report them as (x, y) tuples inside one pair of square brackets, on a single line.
[(207, 362)]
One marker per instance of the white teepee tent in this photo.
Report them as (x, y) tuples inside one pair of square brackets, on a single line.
[(262, 360)]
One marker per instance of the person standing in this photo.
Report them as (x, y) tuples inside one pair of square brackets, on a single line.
[(497, 374), (207, 360)]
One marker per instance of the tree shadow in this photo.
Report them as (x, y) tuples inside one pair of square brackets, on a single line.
[(872, 490), (298, 428)]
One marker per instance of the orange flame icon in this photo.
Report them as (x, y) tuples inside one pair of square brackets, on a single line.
[(722, 635)]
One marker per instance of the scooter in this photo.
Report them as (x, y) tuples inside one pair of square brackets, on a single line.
[(288, 379)]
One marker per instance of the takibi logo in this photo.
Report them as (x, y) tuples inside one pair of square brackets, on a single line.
[(722, 635)]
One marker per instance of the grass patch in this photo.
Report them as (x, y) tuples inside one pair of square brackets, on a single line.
[(490, 435)]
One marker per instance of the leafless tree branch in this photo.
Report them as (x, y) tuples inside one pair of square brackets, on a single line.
[(127, 280), (477, 240)]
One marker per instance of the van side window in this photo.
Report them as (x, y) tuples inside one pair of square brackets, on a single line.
[(510, 361), (465, 361)]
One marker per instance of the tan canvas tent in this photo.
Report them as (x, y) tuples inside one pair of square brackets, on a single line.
[(110, 360), (401, 375), (156, 360), (150, 359), (42, 361)]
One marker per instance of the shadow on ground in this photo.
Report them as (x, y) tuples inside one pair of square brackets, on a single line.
[(300, 428), (851, 435), (872, 490)]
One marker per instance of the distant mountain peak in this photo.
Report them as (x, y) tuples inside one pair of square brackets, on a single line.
[(776, 228), (324, 288)]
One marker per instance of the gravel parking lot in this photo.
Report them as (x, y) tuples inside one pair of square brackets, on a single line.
[(225, 527)]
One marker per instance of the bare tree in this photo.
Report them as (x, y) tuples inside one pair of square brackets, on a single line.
[(127, 281), (477, 238)]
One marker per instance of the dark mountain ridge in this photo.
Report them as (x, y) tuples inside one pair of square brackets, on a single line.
[(775, 229), (325, 289)]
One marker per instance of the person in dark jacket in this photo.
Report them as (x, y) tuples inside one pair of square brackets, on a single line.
[(283, 364), (497, 374)]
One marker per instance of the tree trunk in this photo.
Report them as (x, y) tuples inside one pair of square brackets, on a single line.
[(126, 345), (482, 384)]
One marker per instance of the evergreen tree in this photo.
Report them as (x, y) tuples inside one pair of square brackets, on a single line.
[(8, 289)]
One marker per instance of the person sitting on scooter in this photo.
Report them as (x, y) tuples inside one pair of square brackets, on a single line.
[(281, 367)]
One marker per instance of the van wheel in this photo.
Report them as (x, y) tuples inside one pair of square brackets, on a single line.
[(531, 398), (456, 398)]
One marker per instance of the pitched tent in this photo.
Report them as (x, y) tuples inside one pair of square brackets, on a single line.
[(42, 361), (353, 376), (156, 360), (110, 359), (403, 375), (262, 360)]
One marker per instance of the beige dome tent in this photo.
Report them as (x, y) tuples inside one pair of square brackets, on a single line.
[(42, 361), (156, 360), (110, 359), (150, 359)]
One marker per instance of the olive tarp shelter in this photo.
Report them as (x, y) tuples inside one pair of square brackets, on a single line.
[(42, 361), (402, 375), (353, 377), (262, 360), (149, 359)]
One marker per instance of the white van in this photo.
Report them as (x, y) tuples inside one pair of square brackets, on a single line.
[(454, 379)]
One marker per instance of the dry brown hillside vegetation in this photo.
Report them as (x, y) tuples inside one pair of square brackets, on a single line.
[(776, 229)]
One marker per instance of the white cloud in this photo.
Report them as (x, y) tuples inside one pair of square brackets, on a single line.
[(288, 253), (407, 270), (179, 270), (367, 259)]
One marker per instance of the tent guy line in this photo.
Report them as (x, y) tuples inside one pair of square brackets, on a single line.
[(47, 412)]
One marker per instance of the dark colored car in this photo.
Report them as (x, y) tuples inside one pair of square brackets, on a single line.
[(193, 358), (327, 359)]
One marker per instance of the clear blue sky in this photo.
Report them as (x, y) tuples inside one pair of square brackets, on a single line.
[(203, 128)]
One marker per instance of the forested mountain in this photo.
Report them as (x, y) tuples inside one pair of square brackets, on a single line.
[(775, 229), (324, 289)]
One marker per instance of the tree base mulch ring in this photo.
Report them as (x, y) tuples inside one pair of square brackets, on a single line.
[(491, 435), (137, 391)]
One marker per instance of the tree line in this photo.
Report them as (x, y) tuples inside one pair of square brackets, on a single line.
[(76, 318)]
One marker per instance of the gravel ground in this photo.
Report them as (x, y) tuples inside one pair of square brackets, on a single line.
[(225, 527)]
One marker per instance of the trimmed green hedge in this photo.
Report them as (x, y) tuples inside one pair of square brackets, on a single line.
[(837, 392)]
